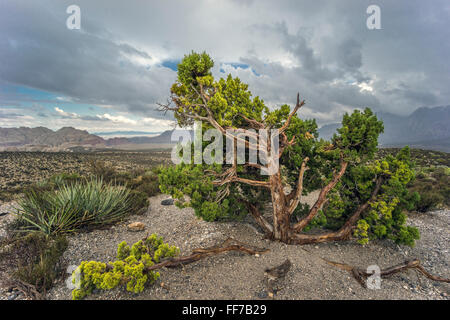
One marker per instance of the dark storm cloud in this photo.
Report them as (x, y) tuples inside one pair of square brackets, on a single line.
[(124, 57), (9, 115), (40, 52)]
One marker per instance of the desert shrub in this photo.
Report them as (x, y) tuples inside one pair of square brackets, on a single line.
[(433, 186), (140, 180), (139, 202), (73, 207), (146, 183), (129, 269), (6, 195), (64, 178), (36, 259), (188, 179), (429, 200), (102, 170)]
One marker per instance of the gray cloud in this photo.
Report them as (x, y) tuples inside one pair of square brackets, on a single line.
[(9, 115), (320, 48), (43, 54)]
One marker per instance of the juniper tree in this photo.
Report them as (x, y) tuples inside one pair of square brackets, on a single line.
[(359, 195)]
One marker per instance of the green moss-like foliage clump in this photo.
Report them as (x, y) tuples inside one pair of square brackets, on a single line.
[(129, 269)]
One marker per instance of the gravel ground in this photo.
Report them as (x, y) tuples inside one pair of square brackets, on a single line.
[(238, 276), (6, 216)]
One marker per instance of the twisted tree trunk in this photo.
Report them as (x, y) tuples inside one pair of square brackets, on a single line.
[(281, 223)]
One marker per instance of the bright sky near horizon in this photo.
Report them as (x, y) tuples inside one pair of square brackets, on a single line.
[(109, 75)]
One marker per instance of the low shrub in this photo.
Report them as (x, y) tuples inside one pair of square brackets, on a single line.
[(102, 170), (129, 269), (37, 259), (74, 206), (140, 180), (433, 186), (429, 200)]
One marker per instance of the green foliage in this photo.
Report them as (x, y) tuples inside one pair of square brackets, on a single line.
[(193, 66), (190, 180), (358, 136), (361, 231), (386, 217), (74, 207), (141, 181), (229, 97), (129, 269), (431, 188)]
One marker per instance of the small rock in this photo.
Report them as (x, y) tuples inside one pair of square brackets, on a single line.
[(136, 226), (167, 202), (12, 297), (262, 294), (257, 255)]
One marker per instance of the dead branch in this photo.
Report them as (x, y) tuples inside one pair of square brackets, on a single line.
[(321, 199), (275, 275), (297, 106), (260, 220), (27, 289), (361, 275), (297, 193), (253, 123), (197, 254), (345, 231)]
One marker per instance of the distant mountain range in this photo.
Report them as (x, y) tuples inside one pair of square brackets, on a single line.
[(125, 133), (425, 128), (41, 138), (163, 138), (68, 139)]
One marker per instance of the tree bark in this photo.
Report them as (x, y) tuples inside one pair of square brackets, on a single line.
[(263, 223), (281, 223)]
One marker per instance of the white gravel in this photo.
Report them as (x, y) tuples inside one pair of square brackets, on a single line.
[(239, 276)]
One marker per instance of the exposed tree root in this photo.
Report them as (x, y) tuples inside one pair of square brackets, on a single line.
[(274, 275), (27, 289), (361, 275), (197, 254)]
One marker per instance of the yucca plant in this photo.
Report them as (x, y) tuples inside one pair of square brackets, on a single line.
[(74, 206)]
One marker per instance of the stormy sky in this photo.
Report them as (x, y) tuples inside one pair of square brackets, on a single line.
[(109, 75)]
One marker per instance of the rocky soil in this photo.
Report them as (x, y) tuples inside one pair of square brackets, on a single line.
[(239, 276)]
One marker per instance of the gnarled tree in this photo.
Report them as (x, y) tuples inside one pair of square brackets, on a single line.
[(358, 196)]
